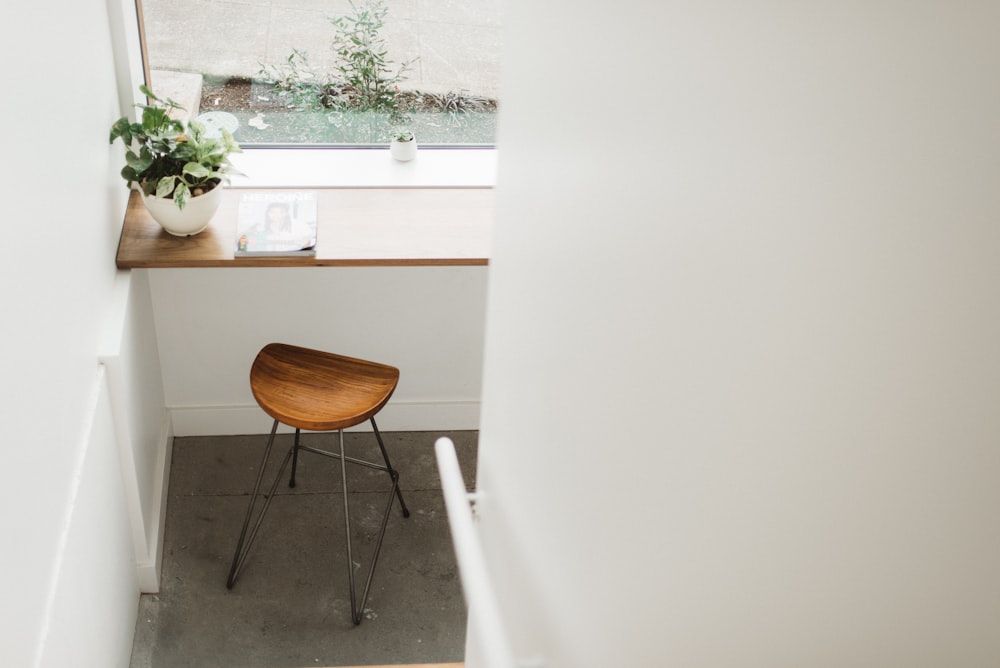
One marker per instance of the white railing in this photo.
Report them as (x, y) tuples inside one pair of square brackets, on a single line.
[(490, 636)]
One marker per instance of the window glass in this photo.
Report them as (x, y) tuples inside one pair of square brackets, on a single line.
[(330, 72)]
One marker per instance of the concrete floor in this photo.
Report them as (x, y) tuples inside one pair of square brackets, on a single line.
[(290, 605)]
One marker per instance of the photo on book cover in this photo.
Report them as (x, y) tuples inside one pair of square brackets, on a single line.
[(276, 223)]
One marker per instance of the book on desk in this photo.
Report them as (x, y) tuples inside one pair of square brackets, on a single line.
[(276, 224)]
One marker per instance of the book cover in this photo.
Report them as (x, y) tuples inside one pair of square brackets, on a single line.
[(276, 223)]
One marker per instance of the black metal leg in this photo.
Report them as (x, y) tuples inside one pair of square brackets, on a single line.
[(355, 616), (246, 540), (392, 472), (356, 609), (295, 458), (241, 551)]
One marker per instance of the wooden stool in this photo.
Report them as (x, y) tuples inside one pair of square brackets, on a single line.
[(319, 391)]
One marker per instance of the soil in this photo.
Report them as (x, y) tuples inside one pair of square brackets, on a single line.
[(241, 94), (234, 95)]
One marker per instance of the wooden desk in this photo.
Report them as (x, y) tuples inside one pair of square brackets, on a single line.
[(357, 227)]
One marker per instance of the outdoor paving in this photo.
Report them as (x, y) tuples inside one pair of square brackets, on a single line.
[(455, 44)]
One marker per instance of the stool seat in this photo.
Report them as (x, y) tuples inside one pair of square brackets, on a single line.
[(317, 390)]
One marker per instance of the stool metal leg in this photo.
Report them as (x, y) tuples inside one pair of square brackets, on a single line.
[(241, 549), (392, 472), (358, 610), (295, 457), (246, 540)]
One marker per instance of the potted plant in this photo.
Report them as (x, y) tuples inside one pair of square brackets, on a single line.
[(176, 165), (403, 145)]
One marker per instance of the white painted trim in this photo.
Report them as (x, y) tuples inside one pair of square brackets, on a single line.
[(397, 416), (477, 585), (124, 25), (114, 376), (110, 358), (360, 168), (150, 568), (126, 455), (147, 536)]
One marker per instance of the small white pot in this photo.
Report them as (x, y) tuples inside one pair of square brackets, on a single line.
[(192, 219), (403, 151)]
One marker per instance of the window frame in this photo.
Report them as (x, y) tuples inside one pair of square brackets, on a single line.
[(452, 166)]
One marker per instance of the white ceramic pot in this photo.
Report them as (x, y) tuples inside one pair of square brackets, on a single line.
[(192, 219), (404, 151)]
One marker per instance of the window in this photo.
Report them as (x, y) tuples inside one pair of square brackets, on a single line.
[(330, 72)]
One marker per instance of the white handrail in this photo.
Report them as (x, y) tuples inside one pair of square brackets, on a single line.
[(476, 585)]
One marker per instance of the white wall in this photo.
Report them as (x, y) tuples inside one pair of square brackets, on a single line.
[(427, 321), (143, 431), (67, 579), (741, 371), (90, 607)]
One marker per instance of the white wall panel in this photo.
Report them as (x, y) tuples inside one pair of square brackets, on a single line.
[(65, 201), (90, 610), (741, 374), (428, 321), (142, 425)]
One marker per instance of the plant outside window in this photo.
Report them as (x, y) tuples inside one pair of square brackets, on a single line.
[(347, 74)]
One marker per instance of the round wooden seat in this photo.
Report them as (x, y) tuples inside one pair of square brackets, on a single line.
[(319, 391)]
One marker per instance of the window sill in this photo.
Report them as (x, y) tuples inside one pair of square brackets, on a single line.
[(364, 168), (403, 225)]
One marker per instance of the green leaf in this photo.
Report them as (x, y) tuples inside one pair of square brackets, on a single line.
[(121, 128), (181, 196), (229, 142), (145, 90), (139, 162), (197, 170), (165, 186), (196, 131)]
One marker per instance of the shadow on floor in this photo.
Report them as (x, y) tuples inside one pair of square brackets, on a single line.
[(290, 605)]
